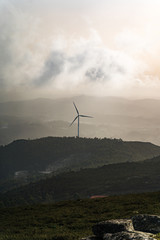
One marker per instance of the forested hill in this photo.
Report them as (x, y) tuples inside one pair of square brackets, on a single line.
[(107, 180), (53, 154)]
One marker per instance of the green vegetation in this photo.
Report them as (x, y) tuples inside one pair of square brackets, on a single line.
[(63, 154), (71, 220), (33, 211), (107, 180)]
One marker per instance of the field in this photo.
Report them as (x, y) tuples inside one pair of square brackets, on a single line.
[(71, 220)]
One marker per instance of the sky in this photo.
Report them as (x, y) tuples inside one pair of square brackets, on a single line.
[(59, 48)]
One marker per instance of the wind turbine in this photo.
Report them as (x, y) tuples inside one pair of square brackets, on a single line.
[(78, 117)]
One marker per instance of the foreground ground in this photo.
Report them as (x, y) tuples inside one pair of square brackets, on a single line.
[(70, 220)]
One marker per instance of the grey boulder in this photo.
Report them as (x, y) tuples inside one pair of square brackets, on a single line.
[(92, 238), (112, 226), (147, 223), (128, 236)]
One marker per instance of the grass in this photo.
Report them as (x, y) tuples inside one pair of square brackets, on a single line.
[(71, 220)]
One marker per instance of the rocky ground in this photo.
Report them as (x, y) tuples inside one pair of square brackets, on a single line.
[(140, 227)]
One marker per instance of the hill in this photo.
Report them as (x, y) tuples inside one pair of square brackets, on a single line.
[(63, 109), (112, 179), (54, 154), (72, 220)]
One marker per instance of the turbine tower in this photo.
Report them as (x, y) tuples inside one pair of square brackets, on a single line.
[(78, 117)]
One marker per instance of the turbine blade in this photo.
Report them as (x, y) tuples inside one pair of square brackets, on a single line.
[(73, 121), (76, 108), (85, 116)]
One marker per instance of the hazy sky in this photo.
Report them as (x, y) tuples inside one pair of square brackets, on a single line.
[(59, 48)]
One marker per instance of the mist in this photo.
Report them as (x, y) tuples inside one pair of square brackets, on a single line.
[(53, 49)]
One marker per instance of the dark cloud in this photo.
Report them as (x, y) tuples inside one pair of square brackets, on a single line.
[(52, 68), (95, 74), (77, 61), (105, 72)]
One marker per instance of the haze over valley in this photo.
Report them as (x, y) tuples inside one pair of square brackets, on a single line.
[(113, 117)]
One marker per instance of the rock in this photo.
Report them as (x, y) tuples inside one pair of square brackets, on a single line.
[(92, 238), (135, 235), (147, 223), (112, 226), (141, 227)]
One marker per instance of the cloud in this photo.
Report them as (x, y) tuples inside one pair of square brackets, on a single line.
[(52, 68), (95, 74), (52, 62), (87, 60), (16, 40)]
